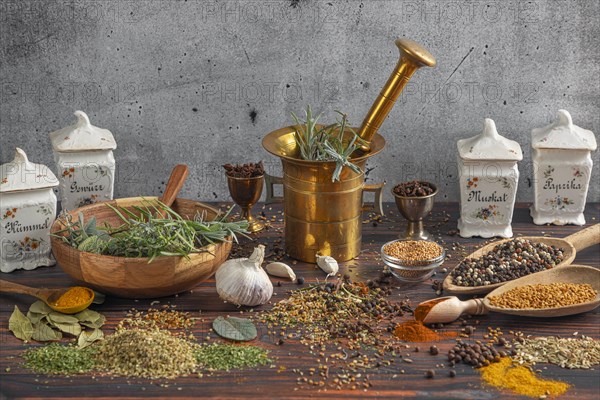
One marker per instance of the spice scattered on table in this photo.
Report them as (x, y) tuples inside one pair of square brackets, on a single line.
[(73, 297), (413, 250), (545, 296), (250, 170), (519, 379), (507, 261), (218, 356), (569, 353), (414, 189), (153, 318)]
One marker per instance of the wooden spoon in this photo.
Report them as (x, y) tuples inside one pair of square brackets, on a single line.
[(448, 309), (174, 185), (570, 245), (48, 296)]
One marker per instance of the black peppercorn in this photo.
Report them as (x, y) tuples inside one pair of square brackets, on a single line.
[(429, 373), (300, 280)]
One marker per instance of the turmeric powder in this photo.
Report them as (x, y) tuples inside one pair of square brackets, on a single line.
[(75, 296), (506, 375)]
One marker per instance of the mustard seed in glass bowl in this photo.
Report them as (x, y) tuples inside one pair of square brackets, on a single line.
[(412, 260)]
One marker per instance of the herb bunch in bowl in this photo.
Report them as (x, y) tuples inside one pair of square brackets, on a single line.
[(145, 233), (327, 143)]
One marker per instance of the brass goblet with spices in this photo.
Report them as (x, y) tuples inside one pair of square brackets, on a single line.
[(245, 182)]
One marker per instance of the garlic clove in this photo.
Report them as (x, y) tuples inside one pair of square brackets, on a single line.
[(281, 270), (328, 264), (242, 281)]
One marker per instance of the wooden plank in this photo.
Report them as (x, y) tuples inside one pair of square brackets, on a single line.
[(387, 381)]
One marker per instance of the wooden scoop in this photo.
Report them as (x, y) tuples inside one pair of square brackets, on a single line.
[(570, 245), (48, 296), (448, 309), (174, 185)]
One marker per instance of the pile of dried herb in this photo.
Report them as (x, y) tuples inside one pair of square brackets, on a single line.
[(43, 324), (569, 353), (160, 319), (225, 357), (60, 359)]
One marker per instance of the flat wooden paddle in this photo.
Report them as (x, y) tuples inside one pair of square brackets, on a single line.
[(174, 185), (570, 245)]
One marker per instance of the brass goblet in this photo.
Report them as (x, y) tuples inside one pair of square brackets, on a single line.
[(415, 209), (245, 192)]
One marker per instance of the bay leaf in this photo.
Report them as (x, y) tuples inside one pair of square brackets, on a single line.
[(91, 319), (40, 307), (42, 332), (71, 329), (20, 325), (234, 328), (35, 317), (98, 298), (56, 317), (88, 337)]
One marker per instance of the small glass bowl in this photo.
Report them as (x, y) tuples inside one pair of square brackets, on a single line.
[(412, 271)]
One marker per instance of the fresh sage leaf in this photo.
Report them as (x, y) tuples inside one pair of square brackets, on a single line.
[(20, 325), (42, 332), (88, 337), (90, 227), (240, 329), (40, 307)]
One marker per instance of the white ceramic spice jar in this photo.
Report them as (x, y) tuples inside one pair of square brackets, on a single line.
[(27, 211), (488, 177), (85, 163), (562, 166)]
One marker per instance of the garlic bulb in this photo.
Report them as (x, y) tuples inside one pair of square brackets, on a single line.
[(242, 281), (328, 264), (281, 270)]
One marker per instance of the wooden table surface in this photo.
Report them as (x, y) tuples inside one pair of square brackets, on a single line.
[(281, 381)]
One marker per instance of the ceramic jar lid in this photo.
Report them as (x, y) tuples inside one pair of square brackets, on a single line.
[(562, 134), (82, 136), (489, 145), (21, 174)]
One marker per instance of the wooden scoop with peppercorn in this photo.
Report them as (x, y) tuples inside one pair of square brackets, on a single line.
[(569, 290), (506, 260)]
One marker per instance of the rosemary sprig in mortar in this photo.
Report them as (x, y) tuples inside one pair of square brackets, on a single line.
[(143, 234), (326, 143)]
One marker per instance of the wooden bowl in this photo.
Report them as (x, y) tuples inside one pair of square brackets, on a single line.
[(134, 277)]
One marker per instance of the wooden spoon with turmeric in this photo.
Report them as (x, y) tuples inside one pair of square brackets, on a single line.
[(69, 300)]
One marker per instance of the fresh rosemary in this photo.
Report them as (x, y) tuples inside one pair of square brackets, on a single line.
[(327, 143), (144, 234)]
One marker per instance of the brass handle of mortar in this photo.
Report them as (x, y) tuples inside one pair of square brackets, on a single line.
[(271, 181), (377, 205), (412, 57)]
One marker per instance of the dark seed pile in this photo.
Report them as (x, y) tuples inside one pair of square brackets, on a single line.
[(479, 354), (414, 189), (507, 261), (250, 170)]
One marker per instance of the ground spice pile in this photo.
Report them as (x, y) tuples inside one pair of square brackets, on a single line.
[(75, 296), (505, 375), (545, 296), (569, 353), (415, 331), (153, 318), (507, 261)]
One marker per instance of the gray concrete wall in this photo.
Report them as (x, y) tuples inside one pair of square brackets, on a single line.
[(201, 82)]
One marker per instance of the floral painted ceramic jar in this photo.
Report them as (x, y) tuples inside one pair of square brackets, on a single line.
[(488, 177), (27, 211), (85, 163), (562, 166)]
